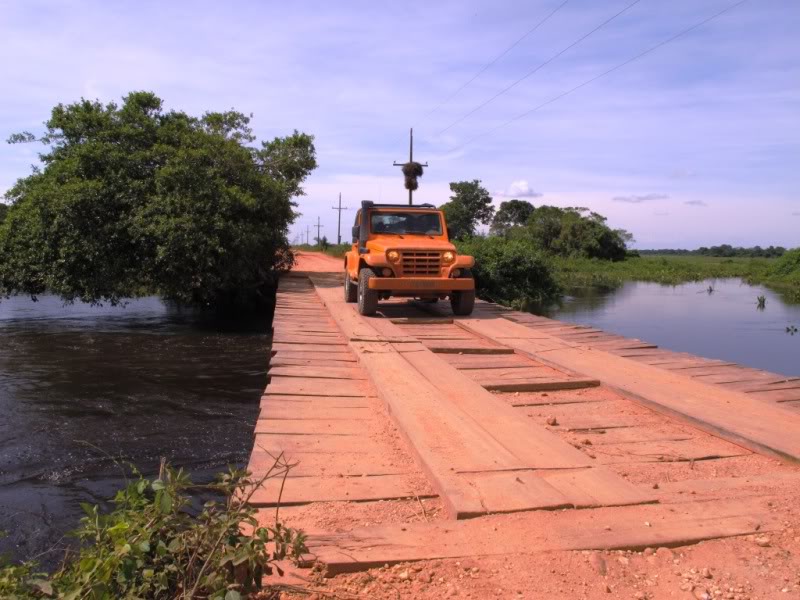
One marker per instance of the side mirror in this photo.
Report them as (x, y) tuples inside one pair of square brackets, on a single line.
[(356, 232), (449, 234)]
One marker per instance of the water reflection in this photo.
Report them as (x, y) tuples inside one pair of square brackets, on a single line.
[(726, 324), (81, 387)]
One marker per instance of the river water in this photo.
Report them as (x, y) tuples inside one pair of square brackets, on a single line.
[(82, 386), (724, 323)]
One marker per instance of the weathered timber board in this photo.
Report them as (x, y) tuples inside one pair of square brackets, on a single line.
[(303, 490), (542, 532), (293, 386)]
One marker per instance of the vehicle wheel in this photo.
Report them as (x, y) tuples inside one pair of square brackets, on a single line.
[(462, 302), (350, 290), (367, 298)]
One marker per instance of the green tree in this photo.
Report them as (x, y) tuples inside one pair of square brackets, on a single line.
[(3, 211), (133, 199), (511, 271), (469, 206), (512, 213), (574, 231)]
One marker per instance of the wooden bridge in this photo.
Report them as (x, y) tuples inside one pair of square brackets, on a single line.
[(496, 425)]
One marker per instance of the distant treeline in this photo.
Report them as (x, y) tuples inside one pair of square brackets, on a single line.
[(723, 251)]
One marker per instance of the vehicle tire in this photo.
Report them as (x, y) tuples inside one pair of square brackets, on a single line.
[(462, 302), (367, 298), (350, 289)]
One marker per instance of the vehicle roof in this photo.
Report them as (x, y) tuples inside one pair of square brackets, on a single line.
[(399, 206)]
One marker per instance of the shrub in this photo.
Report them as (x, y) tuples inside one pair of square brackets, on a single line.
[(788, 265), (152, 546), (512, 272)]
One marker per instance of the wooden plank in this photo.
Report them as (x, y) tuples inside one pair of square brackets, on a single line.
[(280, 360), (521, 399), (295, 446), (486, 361), (303, 490), (628, 528), (636, 434), (317, 372), (338, 464), (531, 370), (307, 410), (538, 385), (669, 451), (294, 386), (776, 395), (317, 348), (314, 401), (740, 418), (309, 426), (291, 353), (308, 340)]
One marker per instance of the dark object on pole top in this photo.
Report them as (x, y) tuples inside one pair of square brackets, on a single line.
[(411, 170)]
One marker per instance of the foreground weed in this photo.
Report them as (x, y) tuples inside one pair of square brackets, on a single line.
[(152, 546)]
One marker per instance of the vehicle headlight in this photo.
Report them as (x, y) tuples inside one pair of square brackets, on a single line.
[(448, 257), (393, 256)]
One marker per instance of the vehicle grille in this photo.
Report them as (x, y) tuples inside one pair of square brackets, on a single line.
[(419, 263)]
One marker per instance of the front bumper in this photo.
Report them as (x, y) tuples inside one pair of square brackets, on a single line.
[(421, 284)]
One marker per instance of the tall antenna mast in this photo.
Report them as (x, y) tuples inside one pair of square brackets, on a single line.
[(411, 170)]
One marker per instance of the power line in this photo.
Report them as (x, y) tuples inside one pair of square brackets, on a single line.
[(603, 74), (537, 68), (501, 55), (491, 63)]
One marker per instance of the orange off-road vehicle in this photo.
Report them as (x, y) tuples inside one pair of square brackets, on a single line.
[(401, 250)]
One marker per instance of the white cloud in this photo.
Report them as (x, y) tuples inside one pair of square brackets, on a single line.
[(695, 203), (633, 199), (519, 189)]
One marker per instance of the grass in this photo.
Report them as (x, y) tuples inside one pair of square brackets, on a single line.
[(672, 270)]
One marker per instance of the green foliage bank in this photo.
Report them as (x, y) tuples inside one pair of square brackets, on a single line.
[(134, 199)]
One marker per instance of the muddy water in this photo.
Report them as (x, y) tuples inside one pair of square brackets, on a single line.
[(82, 386), (723, 323)]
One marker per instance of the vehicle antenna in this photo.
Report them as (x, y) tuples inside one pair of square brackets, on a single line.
[(411, 170)]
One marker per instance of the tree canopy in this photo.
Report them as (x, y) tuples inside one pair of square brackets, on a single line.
[(573, 231), (134, 199), (3, 211), (469, 206), (512, 213)]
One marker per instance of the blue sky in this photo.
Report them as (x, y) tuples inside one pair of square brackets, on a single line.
[(696, 143)]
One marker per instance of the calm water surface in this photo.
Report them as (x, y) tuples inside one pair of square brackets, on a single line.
[(725, 324), (80, 385)]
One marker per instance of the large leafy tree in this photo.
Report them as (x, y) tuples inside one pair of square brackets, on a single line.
[(469, 206), (512, 213), (3, 211), (134, 199), (574, 232)]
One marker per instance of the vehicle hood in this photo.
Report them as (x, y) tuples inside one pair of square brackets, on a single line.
[(409, 243)]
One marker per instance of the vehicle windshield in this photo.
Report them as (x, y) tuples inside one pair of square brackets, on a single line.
[(400, 223)]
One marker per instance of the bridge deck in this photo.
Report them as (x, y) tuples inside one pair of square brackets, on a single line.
[(482, 426)]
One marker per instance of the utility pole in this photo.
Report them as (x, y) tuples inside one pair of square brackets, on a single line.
[(410, 160), (319, 237), (308, 235), (340, 208)]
